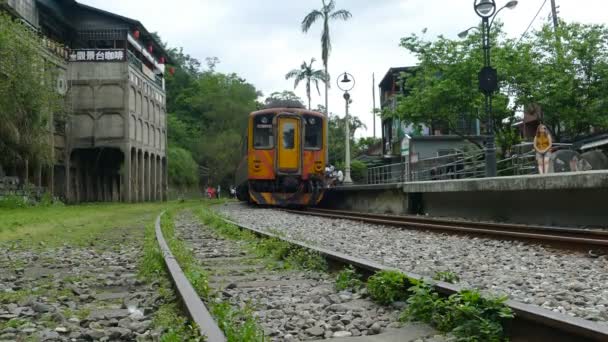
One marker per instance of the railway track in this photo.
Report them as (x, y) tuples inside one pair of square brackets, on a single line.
[(531, 323), (560, 237)]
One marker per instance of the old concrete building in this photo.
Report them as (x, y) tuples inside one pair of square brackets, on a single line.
[(113, 146)]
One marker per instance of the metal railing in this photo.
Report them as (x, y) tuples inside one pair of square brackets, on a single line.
[(391, 173), (460, 165)]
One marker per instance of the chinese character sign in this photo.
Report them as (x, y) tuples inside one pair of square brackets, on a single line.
[(97, 55)]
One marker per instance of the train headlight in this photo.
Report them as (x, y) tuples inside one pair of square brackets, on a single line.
[(318, 166), (264, 120), (312, 121)]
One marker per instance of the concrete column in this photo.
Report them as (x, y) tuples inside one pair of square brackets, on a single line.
[(153, 178), (158, 179), (148, 178), (142, 177), (68, 174), (125, 190), (165, 180)]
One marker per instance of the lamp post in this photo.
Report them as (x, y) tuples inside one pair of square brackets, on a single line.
[(346, 84), (488, 76)]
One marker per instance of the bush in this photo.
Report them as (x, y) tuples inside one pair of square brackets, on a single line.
[(358, 171), (386, 287), (13, 202), (183, 170), (348, 279), (466, 314)]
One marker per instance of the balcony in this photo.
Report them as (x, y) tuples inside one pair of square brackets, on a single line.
[(139, 66)]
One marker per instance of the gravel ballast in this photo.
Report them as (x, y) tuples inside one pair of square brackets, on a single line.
[(572, 283)]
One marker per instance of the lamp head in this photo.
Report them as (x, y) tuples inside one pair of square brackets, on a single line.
[(511, 4), (486, 8), (346, 79)]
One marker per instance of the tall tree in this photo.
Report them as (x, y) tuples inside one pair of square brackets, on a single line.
[(326, 13), (28, 99), (306, 72)]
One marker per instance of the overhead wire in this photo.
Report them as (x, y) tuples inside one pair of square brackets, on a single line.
[(532, 22)]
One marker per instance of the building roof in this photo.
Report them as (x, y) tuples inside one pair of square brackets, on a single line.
[(391, 74), (56, 5)]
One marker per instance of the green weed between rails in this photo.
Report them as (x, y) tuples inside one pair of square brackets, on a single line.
[(176, 327), (348, 279), (466, 314), (446, 276), (289, 255), (386, 287), (238, 325)]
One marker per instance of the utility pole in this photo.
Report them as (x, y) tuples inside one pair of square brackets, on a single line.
[(558, 41), (374, 102), (554, 16)]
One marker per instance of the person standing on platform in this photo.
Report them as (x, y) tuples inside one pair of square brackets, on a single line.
[(542, 145)]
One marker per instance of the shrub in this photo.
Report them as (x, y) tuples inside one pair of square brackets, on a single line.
[(13, 202), (386, 287), (466, 314), (358, 171), (348, 279)]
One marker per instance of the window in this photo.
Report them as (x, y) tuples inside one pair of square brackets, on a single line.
[(262, 131), (289, 132), (313, 132)]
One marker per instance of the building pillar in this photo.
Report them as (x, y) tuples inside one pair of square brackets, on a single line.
[(125, 190), (153, 178), (165, 180), (68, 179), (147, 177), (159, 196), (142, 178)]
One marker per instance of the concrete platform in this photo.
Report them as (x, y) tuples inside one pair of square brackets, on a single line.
[(561, 199)]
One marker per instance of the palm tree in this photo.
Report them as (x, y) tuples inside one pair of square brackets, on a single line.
[(326, 13), (306, 72)]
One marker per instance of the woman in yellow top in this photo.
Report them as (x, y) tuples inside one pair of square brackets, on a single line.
[(542, 145)]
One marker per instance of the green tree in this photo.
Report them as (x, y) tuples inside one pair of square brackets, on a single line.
[(28, 100), (183, 170), (306, 72), (336, 130), (326, 13), (442, 91), (570, 83), (286, 98)]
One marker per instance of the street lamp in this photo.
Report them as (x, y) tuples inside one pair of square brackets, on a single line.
[(488, 76), (346, 84)]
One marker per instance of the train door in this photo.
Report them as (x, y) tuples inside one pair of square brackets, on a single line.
[(289, 149)]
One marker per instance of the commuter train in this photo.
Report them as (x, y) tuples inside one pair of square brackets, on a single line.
[(283, 160)]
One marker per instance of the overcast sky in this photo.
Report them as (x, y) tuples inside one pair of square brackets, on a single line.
[(261, 39)]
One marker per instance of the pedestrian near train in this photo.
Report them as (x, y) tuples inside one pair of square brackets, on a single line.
[(219, 190), (542, 145)]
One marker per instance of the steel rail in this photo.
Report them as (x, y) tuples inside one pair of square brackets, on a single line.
[(578, 237), (194, 305), (531, 323)]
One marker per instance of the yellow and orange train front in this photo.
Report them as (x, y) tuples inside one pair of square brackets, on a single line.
[(286, 157)]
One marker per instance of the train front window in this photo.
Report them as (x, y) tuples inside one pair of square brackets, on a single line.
[(313, 132), (262, 132), (289, 135)]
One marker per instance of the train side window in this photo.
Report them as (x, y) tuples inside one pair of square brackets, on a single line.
[(262, 132), (313, 132)]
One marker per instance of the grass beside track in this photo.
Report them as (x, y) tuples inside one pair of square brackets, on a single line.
[(103, 227), (79, 225)]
